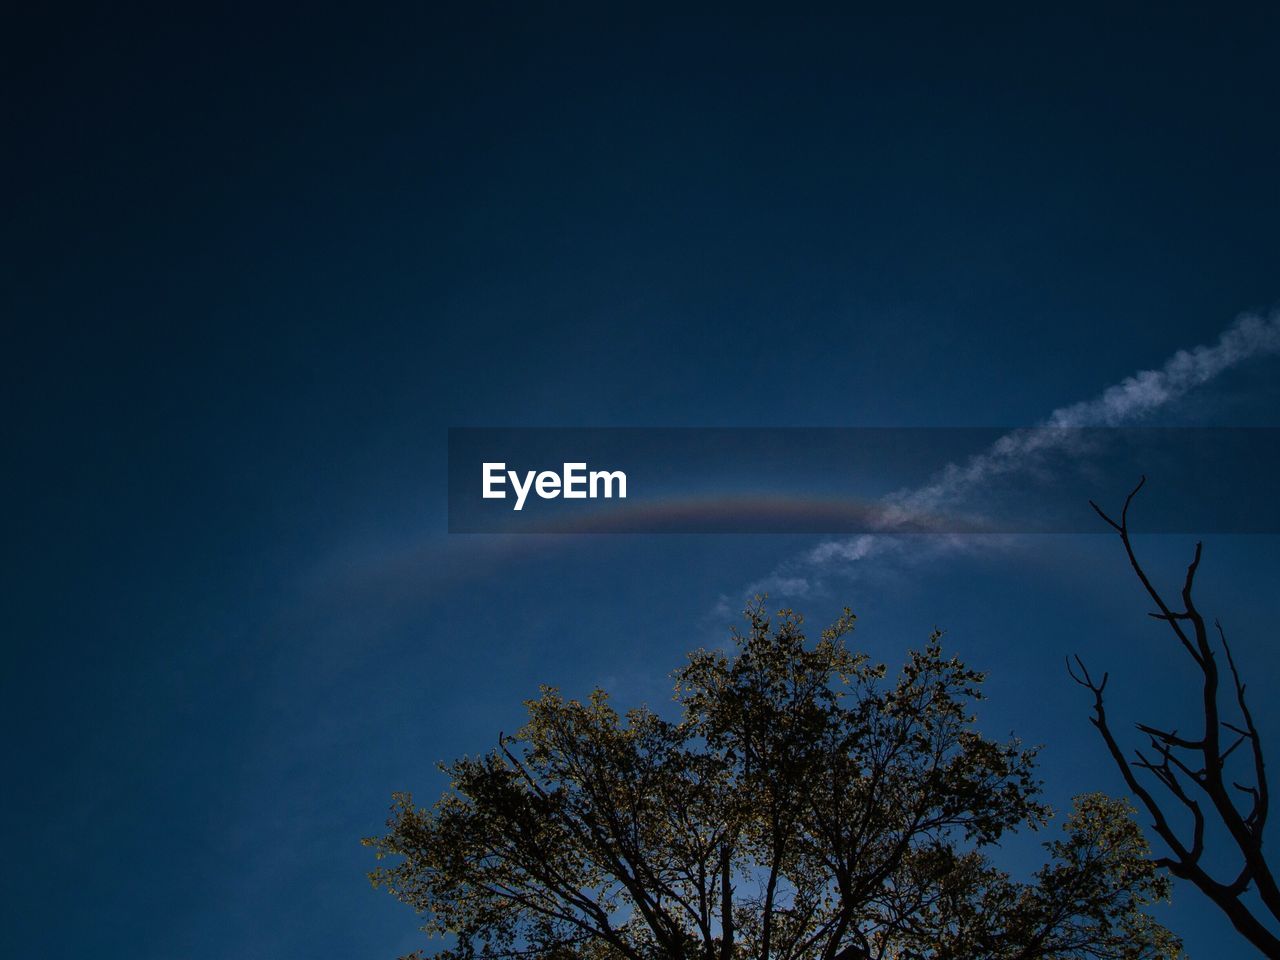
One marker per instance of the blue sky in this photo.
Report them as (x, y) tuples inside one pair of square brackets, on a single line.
[(256, 265)]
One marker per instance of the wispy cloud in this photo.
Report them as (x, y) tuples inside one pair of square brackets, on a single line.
[(1130, 402)]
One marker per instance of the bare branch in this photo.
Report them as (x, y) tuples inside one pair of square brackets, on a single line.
[(1172, 771)]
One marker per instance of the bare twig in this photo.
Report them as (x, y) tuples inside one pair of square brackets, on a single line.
[(1205, 774)]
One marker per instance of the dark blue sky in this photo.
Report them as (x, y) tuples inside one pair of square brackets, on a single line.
[(257, 262)]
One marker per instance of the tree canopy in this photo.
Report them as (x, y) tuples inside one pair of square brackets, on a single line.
[(803, 805)]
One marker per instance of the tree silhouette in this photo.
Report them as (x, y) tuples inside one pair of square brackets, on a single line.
[(802, 806), (1191, 770)]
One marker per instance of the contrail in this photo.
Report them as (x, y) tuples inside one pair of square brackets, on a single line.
[(1128, 402)]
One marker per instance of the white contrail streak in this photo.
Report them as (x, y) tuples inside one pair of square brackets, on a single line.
[(1128, 402)]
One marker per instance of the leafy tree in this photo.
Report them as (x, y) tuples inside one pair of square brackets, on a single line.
[(803, 806)]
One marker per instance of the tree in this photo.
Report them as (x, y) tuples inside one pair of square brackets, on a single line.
[(802, 806), (1191, 771)]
